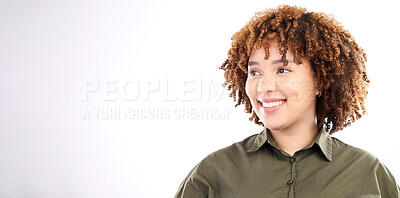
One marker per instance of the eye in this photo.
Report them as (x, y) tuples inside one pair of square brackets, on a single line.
[(253, 73), (282, 70)]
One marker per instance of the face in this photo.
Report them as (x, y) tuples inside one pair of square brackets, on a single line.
[(283, 97)]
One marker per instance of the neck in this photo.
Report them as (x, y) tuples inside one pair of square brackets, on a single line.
[(295, 139)]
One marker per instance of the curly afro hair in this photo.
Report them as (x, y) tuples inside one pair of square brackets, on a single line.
[(336, 59)]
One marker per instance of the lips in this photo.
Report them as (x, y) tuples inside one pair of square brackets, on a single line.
[(272, 104)]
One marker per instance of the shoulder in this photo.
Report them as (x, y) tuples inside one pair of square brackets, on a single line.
[(216, 163), (342, 151), (228, 155), (354, 156), (225, 155), (366, 164), (205, 177)]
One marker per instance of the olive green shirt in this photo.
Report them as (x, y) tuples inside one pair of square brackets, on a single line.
[(256, 167)]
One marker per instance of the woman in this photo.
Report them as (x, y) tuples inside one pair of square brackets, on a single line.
[(302, 77)]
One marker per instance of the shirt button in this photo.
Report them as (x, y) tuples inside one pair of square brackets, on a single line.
[(292, 160), (290, 182)]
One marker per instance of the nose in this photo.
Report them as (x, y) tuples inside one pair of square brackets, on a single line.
[(266, 85)]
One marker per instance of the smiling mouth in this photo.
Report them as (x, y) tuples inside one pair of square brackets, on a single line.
[(272, 104)]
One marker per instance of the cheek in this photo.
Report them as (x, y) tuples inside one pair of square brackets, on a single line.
[(286, 88), (247, 88), (301, 90), (250, 89)]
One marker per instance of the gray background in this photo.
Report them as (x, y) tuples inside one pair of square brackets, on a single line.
[(61, 61)]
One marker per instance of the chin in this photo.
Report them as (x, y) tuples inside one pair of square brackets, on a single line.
[(273, 125)]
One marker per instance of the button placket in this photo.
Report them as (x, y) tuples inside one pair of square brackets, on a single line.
[(291, 162), (290, 182)]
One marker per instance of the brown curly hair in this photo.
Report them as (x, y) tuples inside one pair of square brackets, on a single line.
[(336, 59)]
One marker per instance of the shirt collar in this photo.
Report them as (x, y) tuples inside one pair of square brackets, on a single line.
[(323, 140)]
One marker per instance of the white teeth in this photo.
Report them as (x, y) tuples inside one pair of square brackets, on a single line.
[(272, 104)]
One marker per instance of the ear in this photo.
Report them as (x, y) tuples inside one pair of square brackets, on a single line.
[(318, 93)]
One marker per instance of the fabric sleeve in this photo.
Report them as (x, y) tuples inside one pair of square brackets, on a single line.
[(387, 183), (395, 193), (196, 186), (186, 190)]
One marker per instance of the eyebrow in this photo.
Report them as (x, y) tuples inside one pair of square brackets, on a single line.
[(251, 63)]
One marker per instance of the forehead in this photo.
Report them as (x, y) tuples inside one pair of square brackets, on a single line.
[(272, 52), (259, 57)]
